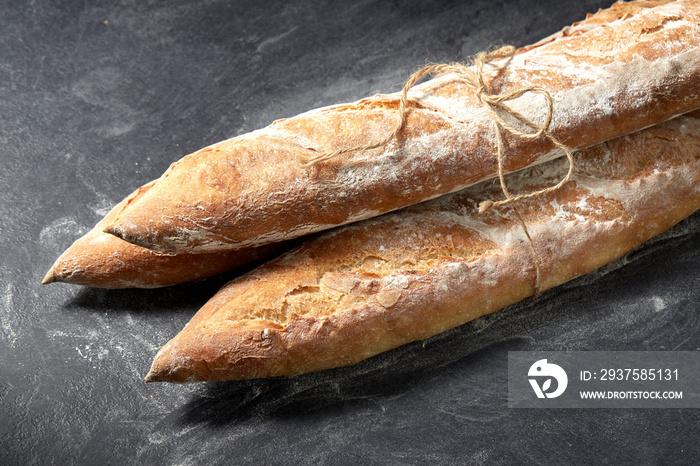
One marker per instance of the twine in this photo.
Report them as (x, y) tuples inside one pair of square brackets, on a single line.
[(536, 257), (474, 78)]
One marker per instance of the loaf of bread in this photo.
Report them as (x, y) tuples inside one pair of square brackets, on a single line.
[(619, 71), (102, 260), (365, 288)]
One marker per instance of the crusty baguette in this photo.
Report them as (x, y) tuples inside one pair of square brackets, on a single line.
[(617, 72), (365, 288), (102, 260)]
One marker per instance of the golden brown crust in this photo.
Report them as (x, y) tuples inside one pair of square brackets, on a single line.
[(619, 71), (620, 10), (365, 288), (102, 260)]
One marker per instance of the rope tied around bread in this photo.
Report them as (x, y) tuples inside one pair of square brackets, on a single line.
[(473, 76)]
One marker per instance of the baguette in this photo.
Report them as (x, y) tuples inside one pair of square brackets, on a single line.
[(365, 288), (619, 71), (105, 261)]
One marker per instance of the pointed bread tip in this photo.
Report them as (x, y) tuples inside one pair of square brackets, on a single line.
[(50, 277), (126, 234), (157, 373), (112, 230), (152, 375)]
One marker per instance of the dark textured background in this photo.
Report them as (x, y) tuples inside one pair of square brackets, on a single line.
[(97, 98)]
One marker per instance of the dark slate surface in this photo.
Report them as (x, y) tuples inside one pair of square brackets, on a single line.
[(97, 98)]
